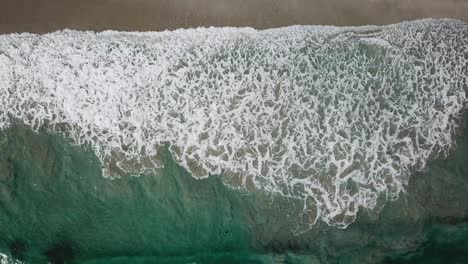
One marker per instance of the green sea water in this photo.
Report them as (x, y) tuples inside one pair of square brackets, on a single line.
[(341, 142), (56, 207)]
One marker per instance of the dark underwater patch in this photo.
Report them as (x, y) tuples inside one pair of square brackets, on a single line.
[(60, 253)]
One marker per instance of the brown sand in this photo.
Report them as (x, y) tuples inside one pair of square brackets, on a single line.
[(155, 15)]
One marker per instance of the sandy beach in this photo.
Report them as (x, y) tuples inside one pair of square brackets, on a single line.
[(40, 16)]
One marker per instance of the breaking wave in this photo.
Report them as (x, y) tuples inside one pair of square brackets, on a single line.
[(335, 117)]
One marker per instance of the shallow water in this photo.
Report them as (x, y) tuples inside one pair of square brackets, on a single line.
[(294, 145), (56, 206), (338, 118)]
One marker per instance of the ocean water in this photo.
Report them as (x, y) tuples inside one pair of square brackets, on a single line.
[(305, 144)]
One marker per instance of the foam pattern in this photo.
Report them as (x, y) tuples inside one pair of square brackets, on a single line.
[(335, 117), (4, 259)]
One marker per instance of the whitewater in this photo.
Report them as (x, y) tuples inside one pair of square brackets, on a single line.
[(335, 117)]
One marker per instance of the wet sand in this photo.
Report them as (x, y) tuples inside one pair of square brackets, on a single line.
[(41, 16)]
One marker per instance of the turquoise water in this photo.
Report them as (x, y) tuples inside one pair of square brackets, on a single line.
[(56, 206), (304, 144), (335, 117)]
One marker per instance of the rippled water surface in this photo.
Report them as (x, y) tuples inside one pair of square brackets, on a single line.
[(250, 146)]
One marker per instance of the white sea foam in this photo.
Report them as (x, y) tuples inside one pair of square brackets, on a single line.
[(4, 259), (336, 117)]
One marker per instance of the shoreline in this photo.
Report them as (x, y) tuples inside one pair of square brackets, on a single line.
[(189, 29), (42, 16)]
